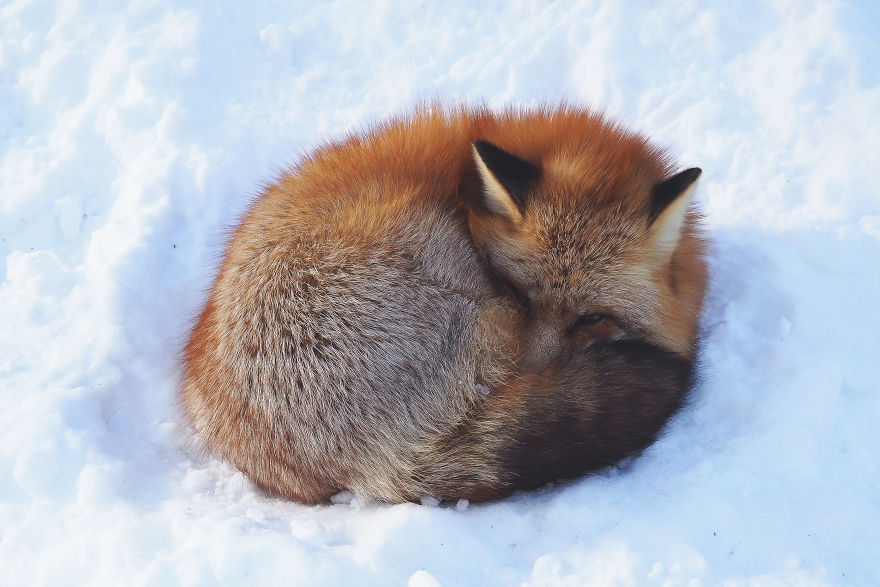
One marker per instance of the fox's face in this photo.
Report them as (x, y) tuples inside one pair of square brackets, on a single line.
[(587, 252)]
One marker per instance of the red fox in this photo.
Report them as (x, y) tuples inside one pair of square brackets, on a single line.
[(458, 303)]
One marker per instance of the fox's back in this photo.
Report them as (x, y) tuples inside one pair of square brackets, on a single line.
[(345, 315)]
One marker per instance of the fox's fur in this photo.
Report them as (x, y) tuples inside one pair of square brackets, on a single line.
[(457, 303)]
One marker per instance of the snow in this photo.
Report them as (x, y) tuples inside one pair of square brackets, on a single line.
[(132, 136)]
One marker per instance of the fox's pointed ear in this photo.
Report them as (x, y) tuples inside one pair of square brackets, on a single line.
[(670, 200), (505, 179)]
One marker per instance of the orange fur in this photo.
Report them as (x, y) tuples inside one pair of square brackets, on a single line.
[(371, 295)]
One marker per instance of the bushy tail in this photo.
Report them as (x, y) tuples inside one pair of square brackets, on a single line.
[(606, 404)]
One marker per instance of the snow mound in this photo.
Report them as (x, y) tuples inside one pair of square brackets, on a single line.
[(133, 135)]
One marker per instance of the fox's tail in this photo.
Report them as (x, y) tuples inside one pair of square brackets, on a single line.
[(607, 403)]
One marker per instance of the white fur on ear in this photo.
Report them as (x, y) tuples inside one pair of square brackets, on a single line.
[(667, 226), (496, 198)]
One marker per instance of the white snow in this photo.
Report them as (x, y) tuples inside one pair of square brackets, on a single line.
[(133, 135)]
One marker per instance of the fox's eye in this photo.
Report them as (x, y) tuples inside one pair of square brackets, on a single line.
[(591, 319)]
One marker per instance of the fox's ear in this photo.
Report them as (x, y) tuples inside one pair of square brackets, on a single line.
[(505, 179), (670, 200)]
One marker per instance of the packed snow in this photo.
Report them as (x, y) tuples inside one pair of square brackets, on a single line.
[(133, 136)]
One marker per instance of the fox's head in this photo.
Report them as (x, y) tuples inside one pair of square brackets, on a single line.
[(592, 245)]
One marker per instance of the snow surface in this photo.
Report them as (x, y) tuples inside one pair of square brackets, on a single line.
[(133, 135)]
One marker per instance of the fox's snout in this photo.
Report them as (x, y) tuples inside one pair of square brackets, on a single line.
[(543, 344)]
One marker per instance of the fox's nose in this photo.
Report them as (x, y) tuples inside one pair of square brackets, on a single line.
[(541, 347)]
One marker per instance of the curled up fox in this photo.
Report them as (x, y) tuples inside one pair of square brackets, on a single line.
[(458, 303)]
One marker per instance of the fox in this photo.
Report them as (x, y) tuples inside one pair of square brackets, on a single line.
[(458, 302)]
